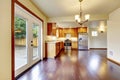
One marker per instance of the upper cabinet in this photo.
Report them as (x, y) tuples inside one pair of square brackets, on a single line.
[(61, 32), (82, 30), (64, 31), (51, 29), (75, 32)]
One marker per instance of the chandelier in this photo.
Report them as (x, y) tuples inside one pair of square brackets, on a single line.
[(78, 18)]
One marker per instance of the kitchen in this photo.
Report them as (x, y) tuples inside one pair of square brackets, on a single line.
[(56, 36)]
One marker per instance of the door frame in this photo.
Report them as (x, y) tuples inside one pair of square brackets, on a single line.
[(12, 33)]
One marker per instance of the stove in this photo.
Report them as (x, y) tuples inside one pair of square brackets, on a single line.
[(67, 44)]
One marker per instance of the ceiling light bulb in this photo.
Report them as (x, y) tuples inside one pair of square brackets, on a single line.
[(76, 17), (87, 17), (79, 20)]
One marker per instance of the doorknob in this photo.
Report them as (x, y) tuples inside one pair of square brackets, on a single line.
[(31, 43)]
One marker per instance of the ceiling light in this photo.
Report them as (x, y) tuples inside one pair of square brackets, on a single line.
[(78, 18)]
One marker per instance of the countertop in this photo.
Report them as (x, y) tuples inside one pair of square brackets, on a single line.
[(53, 41), (56, 41)]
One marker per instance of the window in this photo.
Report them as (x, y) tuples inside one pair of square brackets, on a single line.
[(94, 33)]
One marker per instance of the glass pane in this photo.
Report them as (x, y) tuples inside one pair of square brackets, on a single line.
[(35, 40), (94, 33), (20, 43)]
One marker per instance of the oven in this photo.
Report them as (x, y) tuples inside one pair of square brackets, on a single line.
[(67, 44)]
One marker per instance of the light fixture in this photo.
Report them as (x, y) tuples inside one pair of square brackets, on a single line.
[(102, 26), (78, 18)]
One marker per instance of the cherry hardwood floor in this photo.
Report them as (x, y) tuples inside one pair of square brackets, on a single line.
[(75, 65)]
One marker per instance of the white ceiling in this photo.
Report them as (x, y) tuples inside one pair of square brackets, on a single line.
[(91, 24), (62, 8), (62, 11)]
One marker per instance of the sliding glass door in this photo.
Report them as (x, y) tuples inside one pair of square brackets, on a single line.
[(28, 40)]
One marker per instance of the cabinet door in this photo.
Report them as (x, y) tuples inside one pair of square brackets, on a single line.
[(53, 32), (61, 32), (61, 45), (54, 29), (75, 45), (51, 29), (75, 32), (82, 30), (57, 47)]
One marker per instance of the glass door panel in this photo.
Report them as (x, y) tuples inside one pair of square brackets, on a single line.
[(28, 40), (20, 42), (35, 29)]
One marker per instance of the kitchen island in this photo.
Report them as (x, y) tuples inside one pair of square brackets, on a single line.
[(53, 48)]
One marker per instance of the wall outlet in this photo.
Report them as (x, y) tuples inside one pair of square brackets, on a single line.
[(111, 53)]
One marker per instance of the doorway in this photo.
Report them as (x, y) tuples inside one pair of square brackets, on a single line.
[(28, 40)]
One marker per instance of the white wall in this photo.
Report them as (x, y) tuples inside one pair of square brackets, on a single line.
[(5, 35), (99, 41), (5, 39), (113, 36)]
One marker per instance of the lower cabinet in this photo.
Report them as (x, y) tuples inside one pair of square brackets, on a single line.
[(57, 48), (61, 45), (74, 45), (52, 49)]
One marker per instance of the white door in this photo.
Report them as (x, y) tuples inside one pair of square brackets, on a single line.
[(35, 40), (28, 40)]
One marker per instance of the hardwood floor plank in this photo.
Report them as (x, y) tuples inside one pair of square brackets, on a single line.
[(75, 65)]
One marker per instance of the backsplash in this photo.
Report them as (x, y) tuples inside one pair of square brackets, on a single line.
[(54, 38)]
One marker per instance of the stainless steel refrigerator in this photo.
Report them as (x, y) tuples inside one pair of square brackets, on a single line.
[(83, 41)]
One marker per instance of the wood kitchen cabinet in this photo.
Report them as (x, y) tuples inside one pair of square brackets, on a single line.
[(57, 48), (51, 29), (61, 45), (74, 32), (74, 45), (52, 49), (82, 30), (64, 31), (61, 32)]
